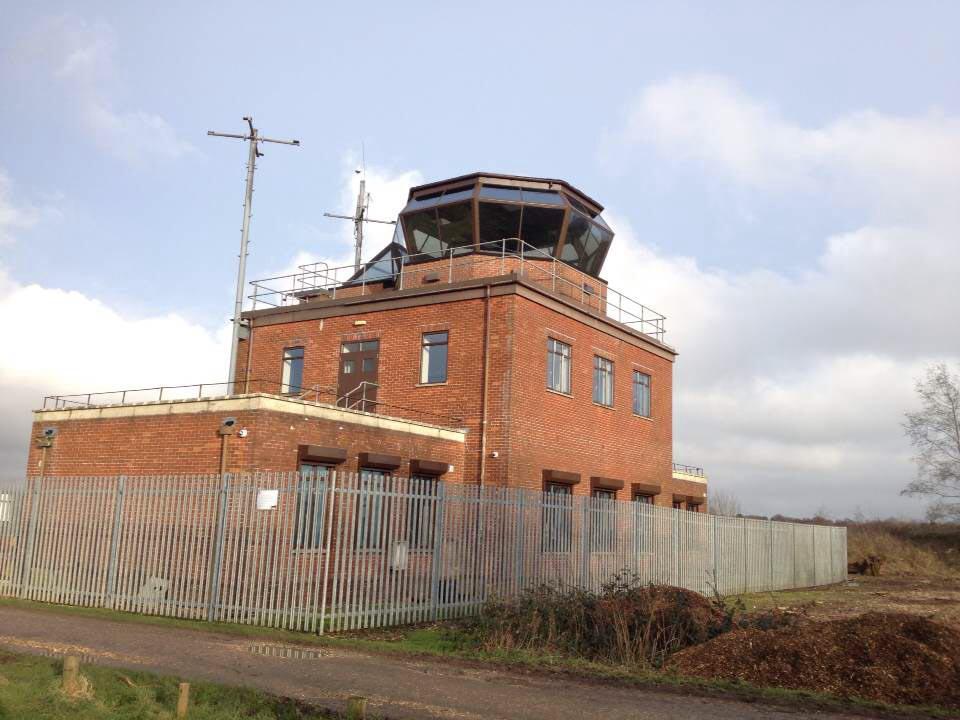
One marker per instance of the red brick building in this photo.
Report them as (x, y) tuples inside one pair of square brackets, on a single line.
[(481, 346)]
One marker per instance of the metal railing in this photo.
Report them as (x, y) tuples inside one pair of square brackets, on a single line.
[(498, 257), (315, 394), (335, 551), (689, 470)]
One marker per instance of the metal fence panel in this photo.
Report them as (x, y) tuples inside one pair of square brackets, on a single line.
[(332, 551)]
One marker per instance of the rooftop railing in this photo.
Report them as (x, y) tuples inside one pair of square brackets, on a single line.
[(362, 398), (499, 257), (689, 470)]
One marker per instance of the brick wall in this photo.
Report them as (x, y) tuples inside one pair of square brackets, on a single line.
[(179, 443)]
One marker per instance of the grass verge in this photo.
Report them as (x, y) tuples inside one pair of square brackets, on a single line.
[(30, 688), (448, 642)]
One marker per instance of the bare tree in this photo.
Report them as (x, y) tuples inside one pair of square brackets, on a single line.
[(934, 431), (724, 502)]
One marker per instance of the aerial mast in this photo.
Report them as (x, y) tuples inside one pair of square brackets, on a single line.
[(255, 139), (359, 217)]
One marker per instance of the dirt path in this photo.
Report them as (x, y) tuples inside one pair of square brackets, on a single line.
[(397, 688)]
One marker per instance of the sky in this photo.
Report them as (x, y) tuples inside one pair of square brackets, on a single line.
[(783, 181)]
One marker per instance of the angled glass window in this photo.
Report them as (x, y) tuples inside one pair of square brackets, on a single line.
[(291, 378), (456, 225), (497, 222), (424, 201), (578, 231), (641, 394), (498, 192), (433, 358), (423, 231), (543, 197), (541, 228), (457, 194), (602, 381), (558, 366), (311, 499)]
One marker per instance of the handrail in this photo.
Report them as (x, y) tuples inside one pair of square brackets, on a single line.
[(551, 272), (689, 469)]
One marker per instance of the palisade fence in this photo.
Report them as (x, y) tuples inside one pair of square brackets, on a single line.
[(337, 551)]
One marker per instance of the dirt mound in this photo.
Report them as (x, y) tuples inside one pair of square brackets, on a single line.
[(626, 622), (890, 657)]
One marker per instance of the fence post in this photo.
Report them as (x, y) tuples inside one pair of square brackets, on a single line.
[(585, 539), (217, 550), (329, 502), (27, 568), (744, 545), (794, 553), (770, 573), (115, 541), (521, 539), (675, 528), (437, 563)]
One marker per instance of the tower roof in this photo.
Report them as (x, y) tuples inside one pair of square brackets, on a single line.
[(492, 212)]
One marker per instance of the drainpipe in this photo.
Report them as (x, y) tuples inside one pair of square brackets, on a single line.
[(246, 375), (483, 389), (227, 428)]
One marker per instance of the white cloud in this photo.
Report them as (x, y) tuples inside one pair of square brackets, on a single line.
[(79, 58), (13, 216), (790, 389), (59, 341)]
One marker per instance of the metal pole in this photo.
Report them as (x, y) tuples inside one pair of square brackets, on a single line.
[(242, 264)]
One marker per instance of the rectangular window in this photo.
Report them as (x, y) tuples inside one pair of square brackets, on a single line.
[(311, 499), (678, 504), (433, 358), (557, 531), (643, 499), (422, 511), (641, 394), (602, 381), (370, 511), (558, 366), (602, 520), (291, 380)]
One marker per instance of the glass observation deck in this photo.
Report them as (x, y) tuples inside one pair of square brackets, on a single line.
[(467, 213)]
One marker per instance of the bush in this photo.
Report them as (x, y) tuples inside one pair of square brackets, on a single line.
[(627, 622), (902, 552)]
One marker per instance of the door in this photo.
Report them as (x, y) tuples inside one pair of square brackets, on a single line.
[(357, 381)]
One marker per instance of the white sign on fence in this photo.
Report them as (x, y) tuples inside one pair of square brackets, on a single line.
[(267, 499)]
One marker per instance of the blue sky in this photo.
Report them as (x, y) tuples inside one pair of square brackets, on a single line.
[(764, 166)]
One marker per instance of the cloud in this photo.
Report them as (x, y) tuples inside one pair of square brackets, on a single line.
[(790, 388), (13, 217), (59, 341), (78, 57), (895, 164)]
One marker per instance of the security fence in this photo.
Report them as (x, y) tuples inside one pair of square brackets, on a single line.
[(331, 551)]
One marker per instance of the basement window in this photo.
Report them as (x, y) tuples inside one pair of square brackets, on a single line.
[(433, 358), (422, 511), (311, 499), (370, 510), (603, 520), (291, 380), (557, 533)]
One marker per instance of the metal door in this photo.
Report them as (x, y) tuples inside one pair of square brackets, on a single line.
[(357, 379)]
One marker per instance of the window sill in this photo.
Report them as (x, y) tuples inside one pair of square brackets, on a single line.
[(601, 405), (560, 393), (433, 384), (643, 417)]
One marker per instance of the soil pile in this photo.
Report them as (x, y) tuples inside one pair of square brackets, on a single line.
[(889, 657), (626, 622)]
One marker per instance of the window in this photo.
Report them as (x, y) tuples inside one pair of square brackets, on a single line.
[(311, 500), (558, 366), (557, 532), (643, 499), (433, 358), (678, 504), (370, 510), (422, 511), (602, 381), (291, 379), (641, 394), (603, 520)]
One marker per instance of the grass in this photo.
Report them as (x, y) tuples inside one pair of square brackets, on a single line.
[(30, 688), (448, 641)]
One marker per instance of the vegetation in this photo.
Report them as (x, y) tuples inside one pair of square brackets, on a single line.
[(934, 430), (30, 688)]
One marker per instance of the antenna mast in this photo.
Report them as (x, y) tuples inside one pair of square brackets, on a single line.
[(359, 217), (254, 138)]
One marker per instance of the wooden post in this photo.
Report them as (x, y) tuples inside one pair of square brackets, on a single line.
[(357, 708), (71, 674), (183, 700)]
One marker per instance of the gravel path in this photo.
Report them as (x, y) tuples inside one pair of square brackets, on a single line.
[(396, 687)]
